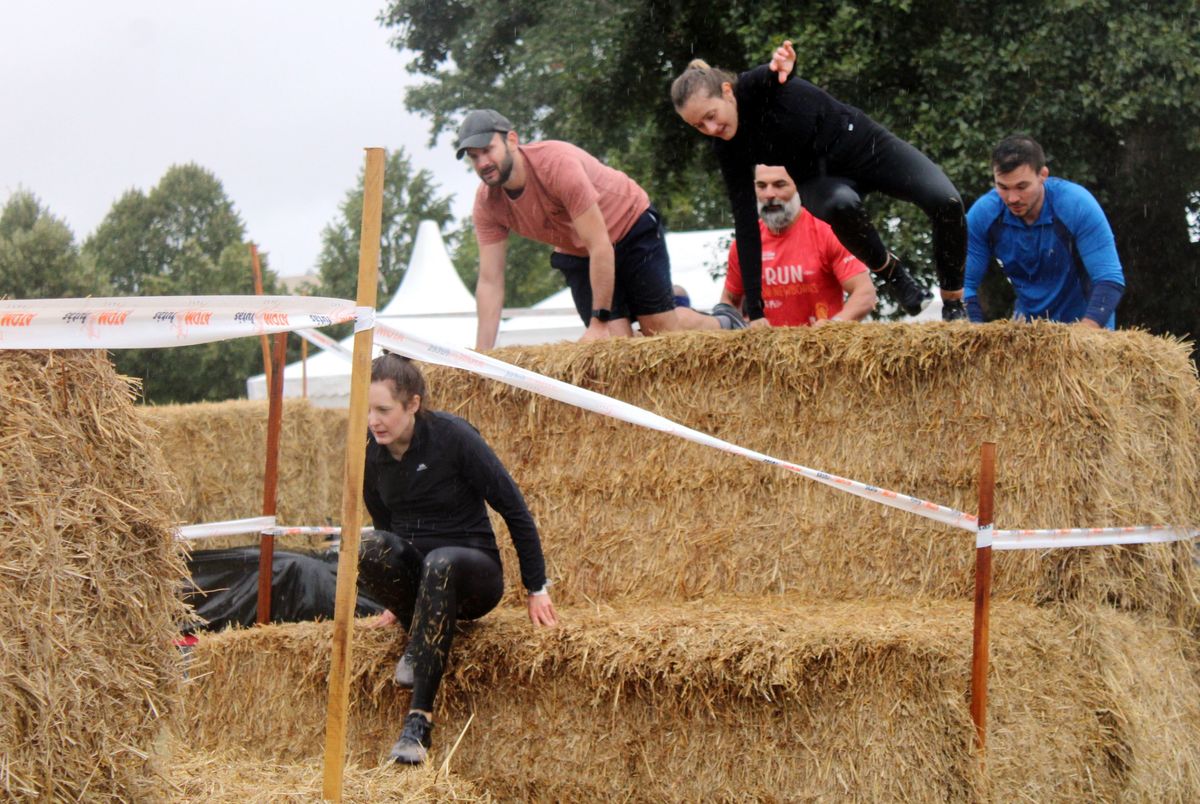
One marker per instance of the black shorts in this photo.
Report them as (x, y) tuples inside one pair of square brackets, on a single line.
[(642, 281)]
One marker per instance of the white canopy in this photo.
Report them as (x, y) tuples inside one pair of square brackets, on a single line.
[(430, 289)]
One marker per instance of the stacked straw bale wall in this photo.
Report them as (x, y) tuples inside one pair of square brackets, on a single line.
[(217, 451), (1093, 429), (89, 578), (732, 630)]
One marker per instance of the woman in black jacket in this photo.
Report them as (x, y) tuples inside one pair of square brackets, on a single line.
[(432, 559), (836, 155)]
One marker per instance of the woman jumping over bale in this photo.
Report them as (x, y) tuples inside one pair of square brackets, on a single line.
[(836, 155), (432, 559)]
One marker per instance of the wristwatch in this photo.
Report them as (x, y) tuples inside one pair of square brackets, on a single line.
[(603, 315)]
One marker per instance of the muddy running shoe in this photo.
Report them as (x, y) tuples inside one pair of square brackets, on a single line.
[(404, 671), (413, 746), (728, 317), (911, 297), (953, 310)]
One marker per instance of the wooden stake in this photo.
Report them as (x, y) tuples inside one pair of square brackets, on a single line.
[(356, 449), (303, 368), (258, 291), (266, 543), (983, 593)]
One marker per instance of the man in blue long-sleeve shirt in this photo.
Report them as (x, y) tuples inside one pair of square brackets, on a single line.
[(1051, 239)]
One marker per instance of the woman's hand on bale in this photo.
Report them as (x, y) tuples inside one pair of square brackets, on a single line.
[(541, 610), (385, 619)]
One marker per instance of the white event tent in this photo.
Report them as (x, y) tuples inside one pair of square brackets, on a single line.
[(429, 291)]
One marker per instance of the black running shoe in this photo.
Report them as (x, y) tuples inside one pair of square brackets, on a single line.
[(728, 317), (911, 297), (413, 746), (954, 310)]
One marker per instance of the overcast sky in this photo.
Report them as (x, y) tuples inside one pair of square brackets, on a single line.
[(276, 97)]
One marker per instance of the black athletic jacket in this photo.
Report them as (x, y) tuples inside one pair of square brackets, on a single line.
[(795, 125), (439, 487)]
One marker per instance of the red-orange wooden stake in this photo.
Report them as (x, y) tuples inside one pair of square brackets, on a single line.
[(266, 544), (352, 490), (983, 592)]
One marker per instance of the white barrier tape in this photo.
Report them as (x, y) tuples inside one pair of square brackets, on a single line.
[(983, 536), (138, 322), (364, 319), (300, 530), (323, 341), (231, 527), (417, 348), (1090, 537)]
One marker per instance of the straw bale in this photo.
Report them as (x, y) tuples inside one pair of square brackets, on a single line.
[(89, 577), (232, 776), (1094, 429), (217, 452), (761, 698)]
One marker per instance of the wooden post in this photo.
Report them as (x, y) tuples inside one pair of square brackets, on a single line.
[(304, 368), (266, 544), (983, 593), (356, 450), (258, 291)]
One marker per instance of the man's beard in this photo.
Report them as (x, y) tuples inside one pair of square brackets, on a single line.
[(503, 170), (778, 216)]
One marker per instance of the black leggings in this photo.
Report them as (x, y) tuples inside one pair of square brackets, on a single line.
[(897, 169), (429, 586)]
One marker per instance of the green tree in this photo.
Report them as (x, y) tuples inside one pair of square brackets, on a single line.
[(1111, 89), (408, 199), (38, 255), (184, 237), (528, 277)]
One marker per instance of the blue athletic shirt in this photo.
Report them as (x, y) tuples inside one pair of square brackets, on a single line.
[(1036, 258)]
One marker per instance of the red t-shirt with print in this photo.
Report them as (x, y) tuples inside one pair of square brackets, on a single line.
[(802, 272)]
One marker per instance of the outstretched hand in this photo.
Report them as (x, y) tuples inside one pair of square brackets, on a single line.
[(541, 610), (385, 618), (783, 60)]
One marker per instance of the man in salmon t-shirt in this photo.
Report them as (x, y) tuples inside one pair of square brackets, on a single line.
[(608, 240), (806, 270)]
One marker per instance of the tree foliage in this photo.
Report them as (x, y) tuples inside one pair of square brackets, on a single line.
[(1111, 89), (528, 277), (408, 199), (184, 237), (39, 258)]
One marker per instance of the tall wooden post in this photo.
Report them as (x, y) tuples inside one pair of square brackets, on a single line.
[(258, 291), (266, 543), (356, 449), (983, 593)]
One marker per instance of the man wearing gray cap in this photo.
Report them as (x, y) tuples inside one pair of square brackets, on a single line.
[(608, 240)]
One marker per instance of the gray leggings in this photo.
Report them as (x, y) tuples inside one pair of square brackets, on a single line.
[(429, 585)]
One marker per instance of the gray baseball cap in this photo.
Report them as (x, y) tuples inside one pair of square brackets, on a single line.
[(478, 127)]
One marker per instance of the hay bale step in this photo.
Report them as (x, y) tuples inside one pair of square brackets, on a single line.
[(754, 698), (233, 776)]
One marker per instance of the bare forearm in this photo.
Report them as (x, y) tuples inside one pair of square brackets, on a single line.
[(488, 303)]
